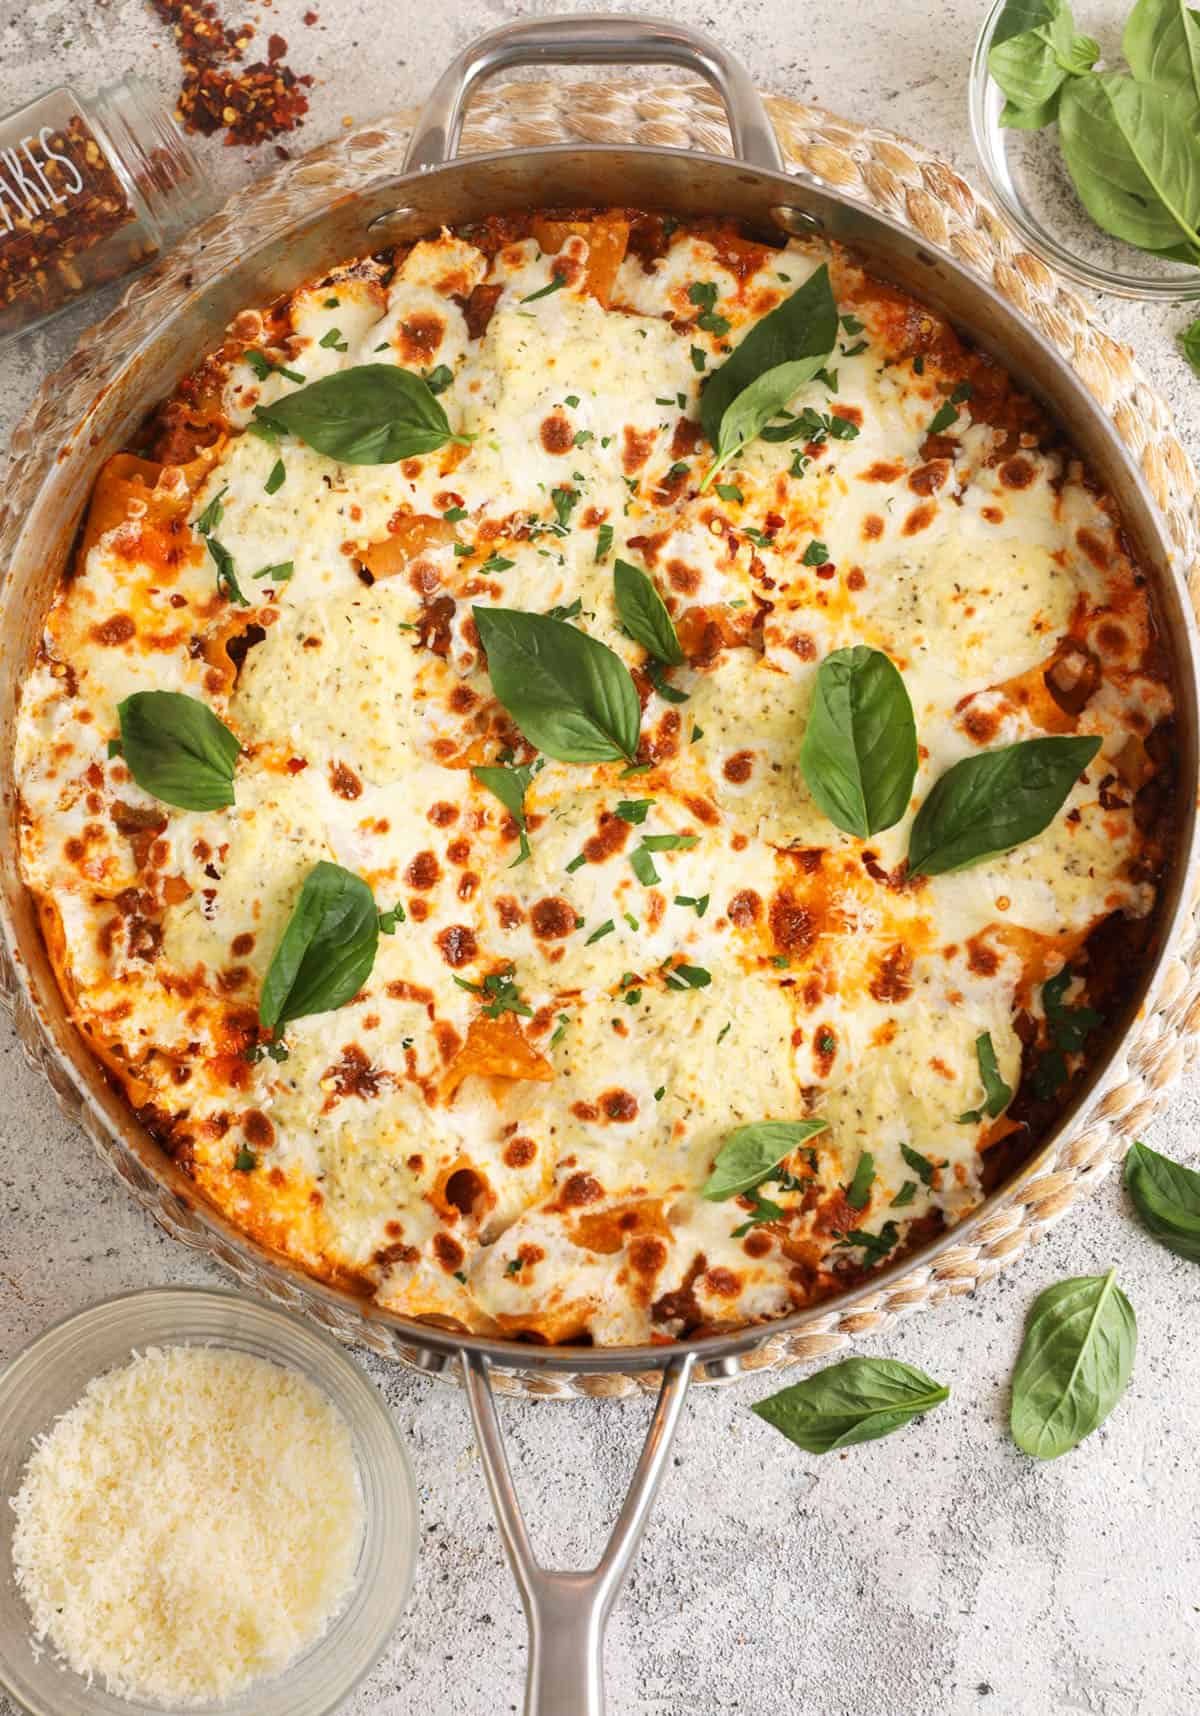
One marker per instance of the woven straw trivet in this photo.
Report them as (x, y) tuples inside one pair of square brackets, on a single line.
[(883, 171)]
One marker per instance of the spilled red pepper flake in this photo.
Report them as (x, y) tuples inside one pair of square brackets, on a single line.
[(250, 103)]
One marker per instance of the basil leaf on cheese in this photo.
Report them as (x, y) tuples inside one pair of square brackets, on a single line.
[(859, 755), (804, 326), (644, 615), (987, 804), (748, 1154), (327, 949), (177, 750), (1074, 1365), (1167, 1197), (755, 406), (509, 783), (857, 1400), (997, 1093), (570, 695), (371, 414)]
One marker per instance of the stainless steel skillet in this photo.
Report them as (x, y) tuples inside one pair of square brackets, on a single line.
[(566, 1610)]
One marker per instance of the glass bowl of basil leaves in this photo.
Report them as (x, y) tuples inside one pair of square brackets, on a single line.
[(1087, 125)]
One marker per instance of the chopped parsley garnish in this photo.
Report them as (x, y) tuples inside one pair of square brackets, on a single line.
[(213, 513), (556, 284), (699, 903), (997, 1094), (262, 366), (277, 574), (921, 1165), (502, 993), (606, 928), (227, 581), (566, 610), (876, 1245), (703, 293), (816, 554), (560, 1030), (564, 503), (572, 400), (642, 865), (670, 842), (604, 540), (725, 1030), (687, 977), (762, 1210), (389, 920), (634, 809), (330, 303), (333, 341), (245, 1161), (858, 1192), (276, 479), (583, 436)]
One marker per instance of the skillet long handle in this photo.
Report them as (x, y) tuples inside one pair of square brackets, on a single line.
[(595, 39), (567, 1612)]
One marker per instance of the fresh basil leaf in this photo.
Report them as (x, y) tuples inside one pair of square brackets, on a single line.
[(510, 786), (210, 519), (1069, 1026), (687, 977), (1167, 1197), (569, 694), (1014, 118), (905, 1195), (748, 1155), (177, 750), (1074, 1364), (1162, 44), (327, 949), (755, 406), (856, 1400), (987, 804), (859, 755), (1132, 161), (643, 867), (875, 1245), (370, 414), (1189, 344), (227, 578), (1030, 64), (997, 1093), (604, 540), (804, 326), (644, 615), (276, 479)]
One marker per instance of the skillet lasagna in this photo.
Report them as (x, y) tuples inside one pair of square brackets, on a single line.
[(650, 1042)]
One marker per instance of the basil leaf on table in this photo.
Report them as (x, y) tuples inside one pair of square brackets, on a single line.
[(1074, 1364), (327, 949), (371, 414), (805, 325), (857, 1400), (644, 615), (1189, 344), (510, 783), (570, 695), (987, 804), (859, 755), (750, 1152), (1167, 1197), (1133, 162), (1162, 44), (177, 750)]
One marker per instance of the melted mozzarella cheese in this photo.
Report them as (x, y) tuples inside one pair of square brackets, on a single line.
[(766, 966)]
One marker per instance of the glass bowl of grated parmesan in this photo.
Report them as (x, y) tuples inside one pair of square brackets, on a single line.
[(204, 1505)]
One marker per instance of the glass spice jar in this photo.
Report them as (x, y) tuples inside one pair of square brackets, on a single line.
[(90, 190)]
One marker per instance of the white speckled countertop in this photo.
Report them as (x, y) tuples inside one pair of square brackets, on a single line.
[(938, 1573)]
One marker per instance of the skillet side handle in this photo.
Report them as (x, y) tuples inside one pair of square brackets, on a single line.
[(600, 39), (567, 1612)]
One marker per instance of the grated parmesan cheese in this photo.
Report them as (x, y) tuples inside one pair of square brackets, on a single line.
[(190, 1525)]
